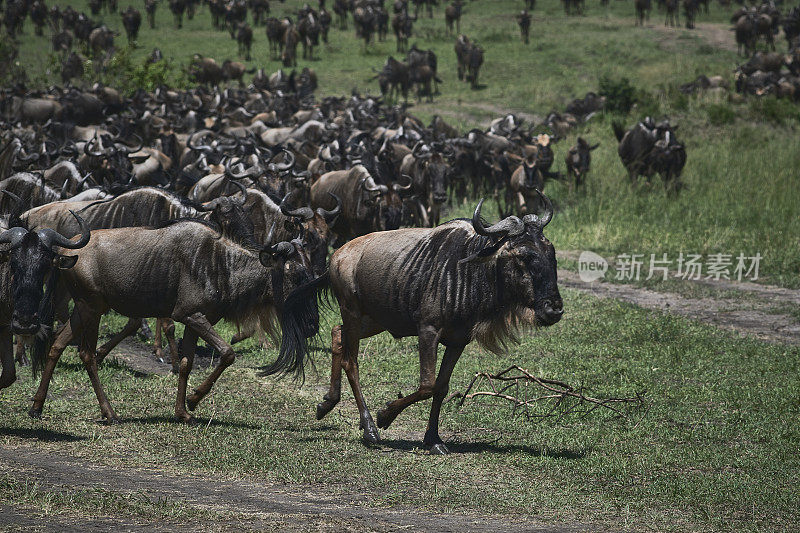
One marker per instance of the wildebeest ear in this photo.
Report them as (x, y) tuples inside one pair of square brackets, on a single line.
[(594, 146), (266, 259), (65, 262)]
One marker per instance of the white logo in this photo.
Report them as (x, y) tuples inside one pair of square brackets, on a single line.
[(591, 266)]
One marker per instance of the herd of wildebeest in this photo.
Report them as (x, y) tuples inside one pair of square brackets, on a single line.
[(214, 203)]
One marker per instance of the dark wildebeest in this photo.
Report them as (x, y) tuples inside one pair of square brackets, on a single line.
[(71, 67), (578, 160), (690, 8), (185, 271), (360, 201), (150, 8), (672, 18), (38, 14), (177, 7), (131, 20), (402, 26), (290, 38), (643, 8), (474, 62), (29, 263), (244, 38), (524, 21), (452, 284), (452, 14), (524, 186), (308, 30), (648, 149), (462, 48)]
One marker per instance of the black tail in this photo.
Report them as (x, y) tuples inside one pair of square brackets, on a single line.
[(299, 322), (619, 130), (43, 340)]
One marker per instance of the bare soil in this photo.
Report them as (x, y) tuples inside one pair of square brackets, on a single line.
[(243, 505), (751, 309)]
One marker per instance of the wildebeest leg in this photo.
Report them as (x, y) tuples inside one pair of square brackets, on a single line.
[(188, 346), (62, 340), (440, 389), (428, 342), (130, 328), (90, 324), (423, 215), (334, 393), (351, 330), (9, 374), (21, 355), (203, 327)]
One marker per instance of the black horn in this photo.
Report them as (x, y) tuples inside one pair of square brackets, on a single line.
[(53, 238), (306, 213), (511, 226)]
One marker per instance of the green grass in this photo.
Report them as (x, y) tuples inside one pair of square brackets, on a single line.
[(715, 446)]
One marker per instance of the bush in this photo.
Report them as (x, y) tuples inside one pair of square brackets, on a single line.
[(129, 76), (11, 72), (720, 114), (620, 94)]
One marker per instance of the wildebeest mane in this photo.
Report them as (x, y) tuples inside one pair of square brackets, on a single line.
[(452, 268)]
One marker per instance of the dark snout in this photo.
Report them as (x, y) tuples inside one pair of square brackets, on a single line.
[(551, 312), (440, 197), (24, 324)]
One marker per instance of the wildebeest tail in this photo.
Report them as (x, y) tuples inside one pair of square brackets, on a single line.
[(44, 338), (619, 130), (299, 323)]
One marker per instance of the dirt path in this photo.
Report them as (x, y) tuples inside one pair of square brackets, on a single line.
[(752, 309), (243, 505)]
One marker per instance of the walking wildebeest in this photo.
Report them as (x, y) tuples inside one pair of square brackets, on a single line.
[(452, 284), (648, 149), (186, 271), (578, 160), (29, 263)]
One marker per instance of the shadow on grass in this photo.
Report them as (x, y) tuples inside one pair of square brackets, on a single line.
[(484, 447), (44, 435), (198, 422)]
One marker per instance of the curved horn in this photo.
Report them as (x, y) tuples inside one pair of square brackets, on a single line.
[(236, 176), (546, 217), (203, 147), (282, 248), (89, 152), (397, 187), (382, 189), (306, 213), (17, 200), (125, 149), (53, 238), (281, 167), (330, 215), (512, 225), (242, 188)]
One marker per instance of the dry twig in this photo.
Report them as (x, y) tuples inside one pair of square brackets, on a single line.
[(556, 400)]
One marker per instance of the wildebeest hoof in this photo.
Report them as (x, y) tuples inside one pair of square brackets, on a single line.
[(439, 449), (192, 401), (35, 413), (385, 419), (109, 420), (185, 418), (371, 435), (323, 408)]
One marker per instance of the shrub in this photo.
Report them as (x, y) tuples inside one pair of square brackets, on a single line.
[(775, 110), (620, 94)]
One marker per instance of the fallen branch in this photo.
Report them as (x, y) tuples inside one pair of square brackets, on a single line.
[(550, 399)]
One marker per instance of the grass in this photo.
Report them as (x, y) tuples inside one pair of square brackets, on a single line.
[(715, 447)]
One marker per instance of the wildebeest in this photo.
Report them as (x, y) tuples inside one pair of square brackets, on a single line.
[(131, 20), (458, 282), (648, 149), (578, 160), (524, 22), (185, 271), (469, 57), (642, 8), (452, 14), (150, 7), (244, 38), (177, 7), (524, 186), (28, 264)]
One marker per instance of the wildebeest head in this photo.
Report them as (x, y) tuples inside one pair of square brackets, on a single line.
[(33, 264), (228, 213), (438, 172), (531, 177), (581, 157), (526, 261), (315, 227)]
